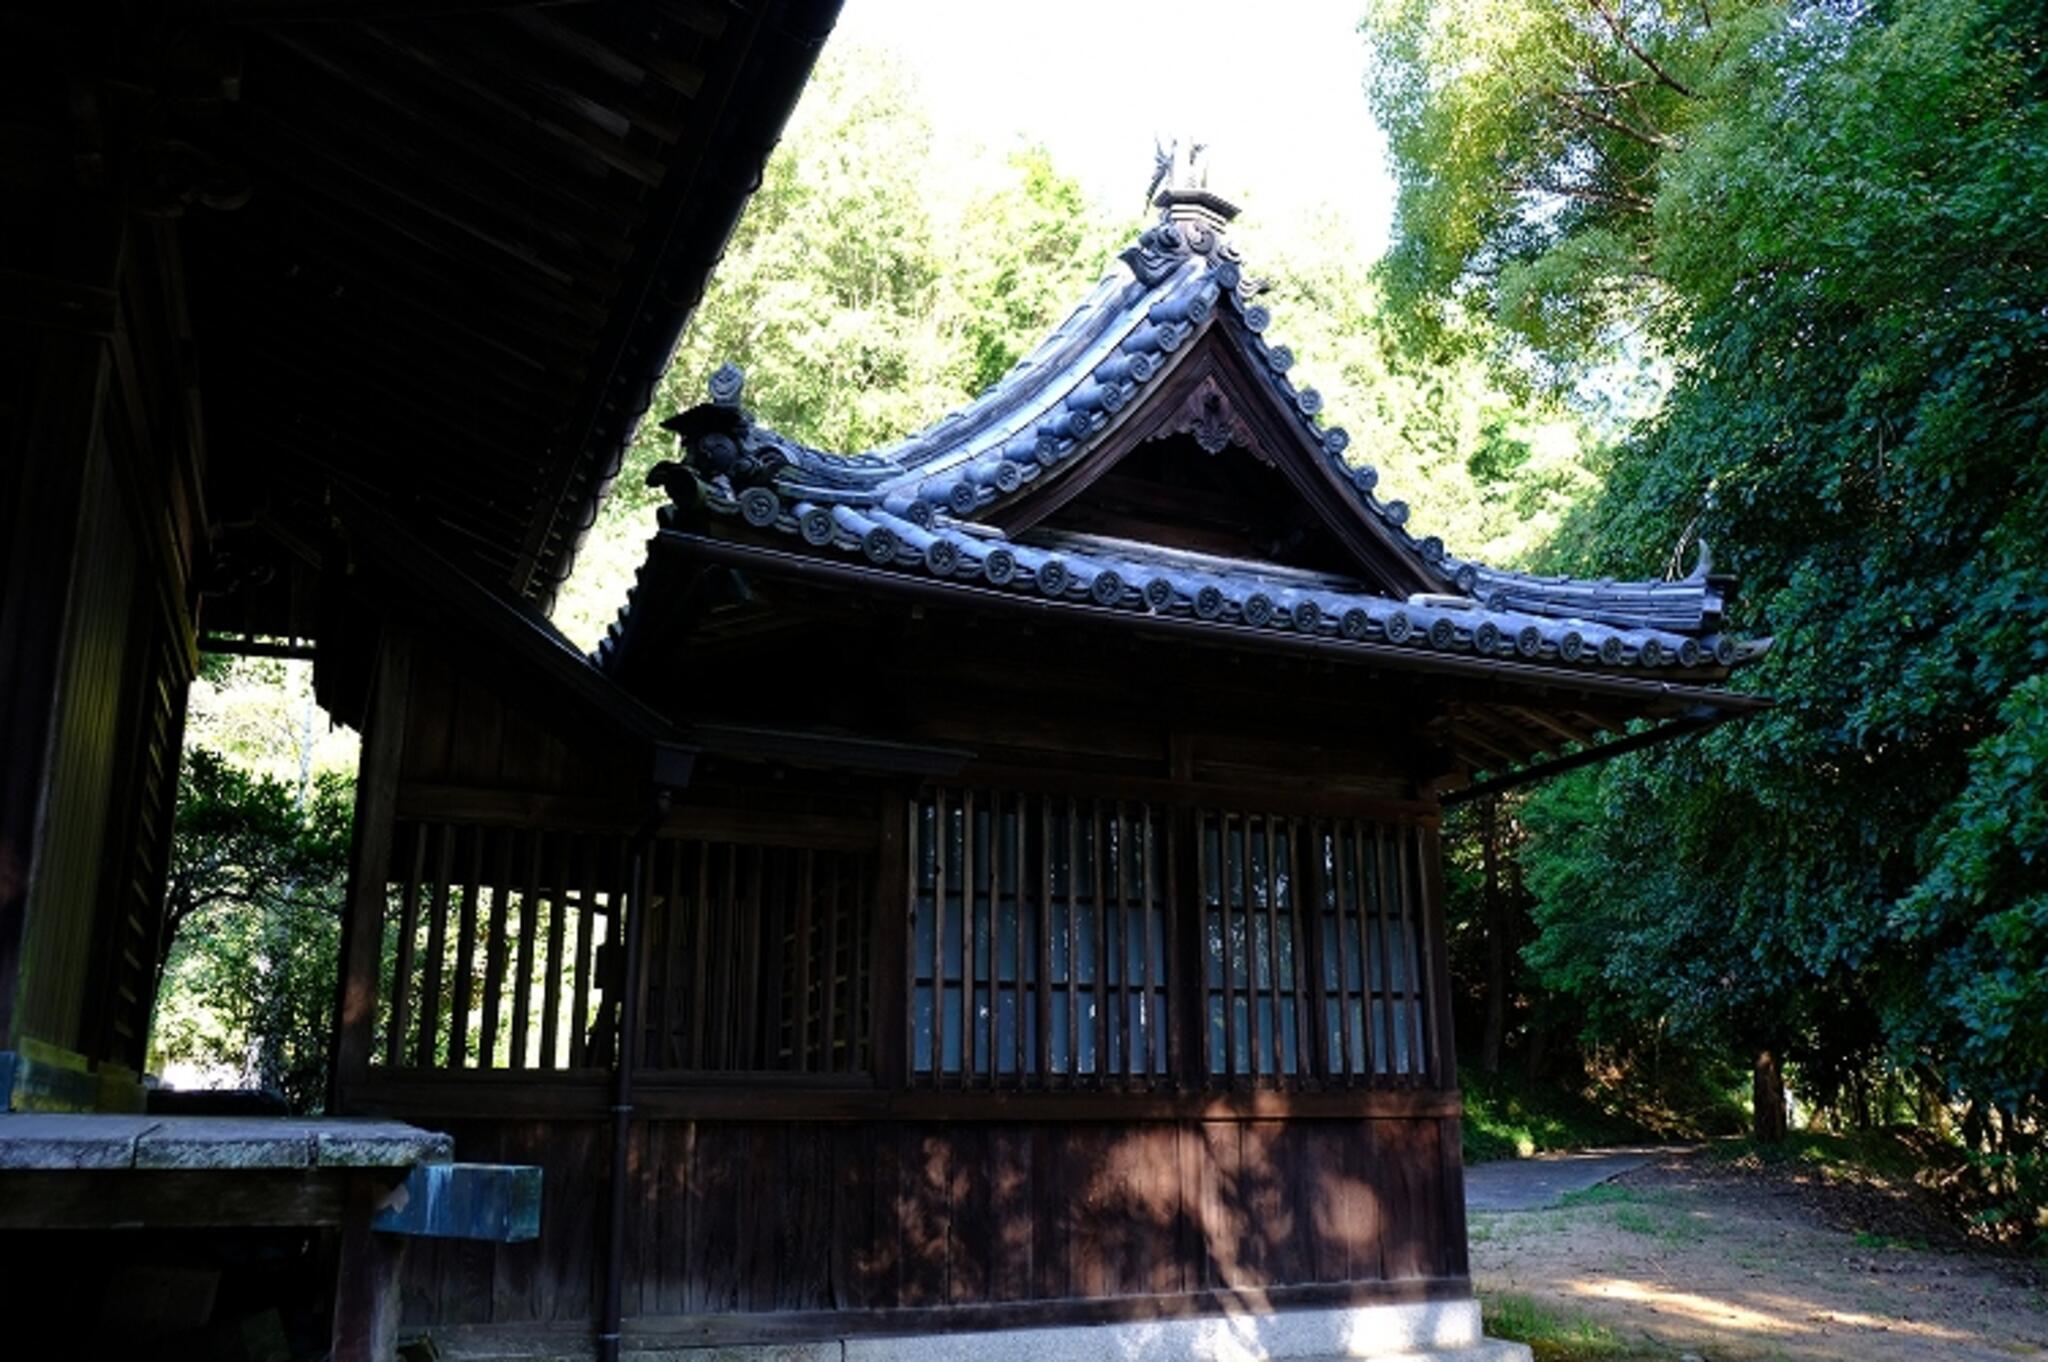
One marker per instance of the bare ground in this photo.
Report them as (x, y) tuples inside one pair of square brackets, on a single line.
[(1688, 1256)]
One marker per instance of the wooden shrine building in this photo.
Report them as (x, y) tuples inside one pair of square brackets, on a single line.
[(288, 290), (991, 881)]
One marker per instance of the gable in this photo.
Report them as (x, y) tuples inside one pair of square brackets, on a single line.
[(1218, 458)]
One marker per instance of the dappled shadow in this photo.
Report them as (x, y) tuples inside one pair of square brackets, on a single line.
[(1741, 1267)]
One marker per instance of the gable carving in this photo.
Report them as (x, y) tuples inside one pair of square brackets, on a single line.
[(1207, 415)]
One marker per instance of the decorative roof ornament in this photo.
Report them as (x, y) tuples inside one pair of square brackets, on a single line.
[(1191, 220)]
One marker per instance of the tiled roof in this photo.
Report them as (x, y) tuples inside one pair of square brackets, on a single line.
[(918, 506)]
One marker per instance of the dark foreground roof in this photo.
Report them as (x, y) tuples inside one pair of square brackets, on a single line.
[(435, 255), (935, 505)]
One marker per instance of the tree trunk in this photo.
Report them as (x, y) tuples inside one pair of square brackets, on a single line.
[(1494, 1031), (1767, 1097)]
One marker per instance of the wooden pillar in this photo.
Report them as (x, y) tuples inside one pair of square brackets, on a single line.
[(64, 300), (362, 933), (1444, 1060), (889, 1045), (366, 1295)]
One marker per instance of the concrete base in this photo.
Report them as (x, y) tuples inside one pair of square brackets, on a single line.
[(1435, 1331), (1430, 1331)]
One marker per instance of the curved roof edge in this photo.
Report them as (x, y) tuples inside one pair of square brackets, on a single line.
[(918, 505)]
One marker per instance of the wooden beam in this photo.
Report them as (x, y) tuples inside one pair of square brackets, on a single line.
[(366, 1295), (1695, 722), (370, 862)]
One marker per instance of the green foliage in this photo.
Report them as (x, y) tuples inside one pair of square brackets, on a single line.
[(1862, 430), (1531, 141), (1492, 468), (1511, 1118), (252, 934)]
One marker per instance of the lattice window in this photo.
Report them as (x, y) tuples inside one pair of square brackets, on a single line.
[(1314, 952), (1039, 941), (758, 959)]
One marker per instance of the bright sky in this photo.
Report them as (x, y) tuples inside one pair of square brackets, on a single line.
[(1273, 88)]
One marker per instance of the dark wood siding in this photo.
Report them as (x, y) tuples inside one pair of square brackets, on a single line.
[(741, 1218)]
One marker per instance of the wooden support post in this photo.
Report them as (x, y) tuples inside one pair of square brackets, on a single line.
[(894, 888), (366, 1300), (362, 934)]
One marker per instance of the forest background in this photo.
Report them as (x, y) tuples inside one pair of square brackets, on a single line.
[(1769, 278)]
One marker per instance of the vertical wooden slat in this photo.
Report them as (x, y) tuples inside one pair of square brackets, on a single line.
[(1123, 945), (1443, 1054), (807, 884), (1319, 899), (727, 1011), (753, 1007), (1073, 947), (895, 885), (1387, 993), (551, 966), (495, 950), (700, 964), (1411, 960), (864, 937), (1276, 1023), (941, 840), (465, 955), (522, 968), (1297, 957), (586, 931), (1255, 1021), (1101, 1029), (992, 874), (1013, 829), (834, 906), (1352, 934), (674, 929), (1148, 996), (401, 972), (1194, 1005), (967, 1015), (437, 946), (631, 894), (1043, 922), (1209, 887)]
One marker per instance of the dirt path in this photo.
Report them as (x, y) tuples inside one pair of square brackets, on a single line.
[(1682, 1256)]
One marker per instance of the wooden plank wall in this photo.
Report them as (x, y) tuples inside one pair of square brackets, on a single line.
[(735, 1218)]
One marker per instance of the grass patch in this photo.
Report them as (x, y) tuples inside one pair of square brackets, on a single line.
[(1558, 1337), (1599, 1194), (1876, 1152)]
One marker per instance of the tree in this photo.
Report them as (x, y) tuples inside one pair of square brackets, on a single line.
[(1531, 141), (252, 924), (880, 277), (1848, 242)]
